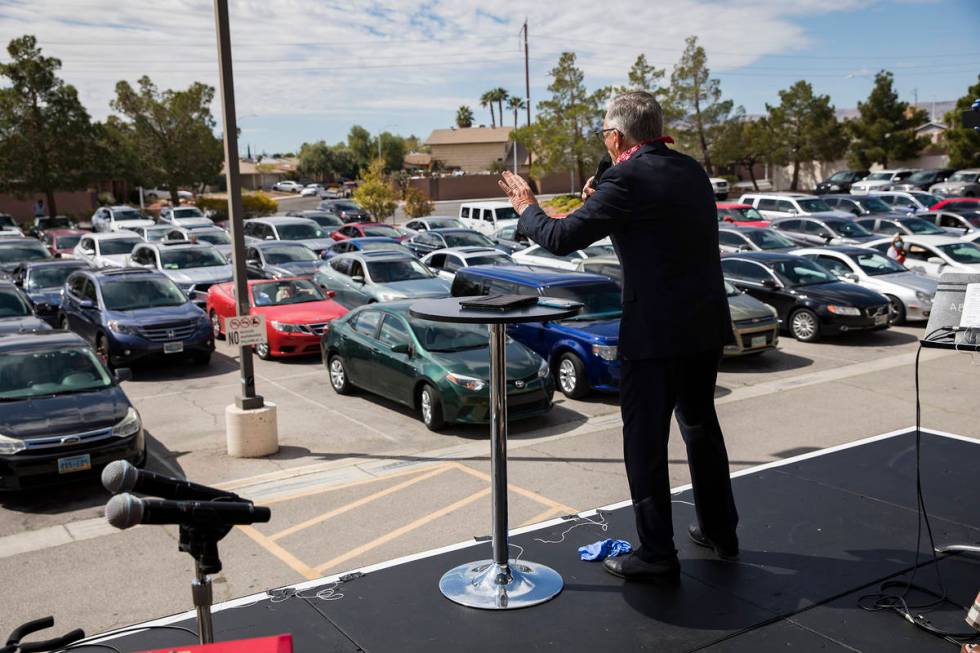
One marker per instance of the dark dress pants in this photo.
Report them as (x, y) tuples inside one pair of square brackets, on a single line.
[(651, 390)]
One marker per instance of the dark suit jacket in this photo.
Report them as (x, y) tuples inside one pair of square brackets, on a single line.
[(659, 209)]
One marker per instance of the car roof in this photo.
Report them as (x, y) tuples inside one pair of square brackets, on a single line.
[(454, 230), (779, 195), (118, 207), (738, 228), (850, 250), (486, 205), (434, 217), (18, 241), (112, 235), (56, 262), (66, 232), (38, 340), (924, 240), (281, 219), (534, 275), (761, 257), (468, 250), (378, 254), (263, 244), (823, 215), (110, 273), (176, 244), (369, 239)]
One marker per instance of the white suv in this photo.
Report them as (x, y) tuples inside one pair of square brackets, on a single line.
[(487, 217), (720, 187), (878, 179), (785, 205)]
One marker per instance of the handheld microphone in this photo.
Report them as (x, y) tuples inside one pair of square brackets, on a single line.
[(604, 164), (121, 476), (125, 511)]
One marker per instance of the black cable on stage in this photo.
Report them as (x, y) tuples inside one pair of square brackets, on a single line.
[(89, 642), (898, 602)]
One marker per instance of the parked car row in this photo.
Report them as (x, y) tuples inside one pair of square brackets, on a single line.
[(942, 182)]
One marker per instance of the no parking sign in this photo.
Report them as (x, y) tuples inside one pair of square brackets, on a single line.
[(246, 330)]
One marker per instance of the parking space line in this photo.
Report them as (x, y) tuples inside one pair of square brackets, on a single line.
[(360, 502), (285, 556), (529, 494), (541, 516), (330, 488), (398, 532)]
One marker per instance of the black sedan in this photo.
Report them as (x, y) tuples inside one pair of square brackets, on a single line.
[(810, 300), (16, 313), (840, 181), (279, 259), (64, 415), (429, 241), (43, 281), (732, 238)]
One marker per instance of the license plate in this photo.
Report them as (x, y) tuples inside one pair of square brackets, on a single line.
[(173, 347), (74, 464), (758, 341), (881, 319)]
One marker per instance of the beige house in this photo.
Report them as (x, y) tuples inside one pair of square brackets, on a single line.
[(474, 150)]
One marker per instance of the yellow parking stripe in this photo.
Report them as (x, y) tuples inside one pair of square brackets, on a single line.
[(360, 502), (322, 490), (291, 561), (529, 494), (550, 512), (398, 532)]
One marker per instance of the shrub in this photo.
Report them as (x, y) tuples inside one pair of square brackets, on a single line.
[(564, 203), (417, 203), (375, 194)]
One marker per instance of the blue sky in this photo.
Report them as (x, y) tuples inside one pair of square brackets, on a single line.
[(308, 70)]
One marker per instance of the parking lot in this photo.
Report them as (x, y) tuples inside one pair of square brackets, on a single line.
[(359, 480)]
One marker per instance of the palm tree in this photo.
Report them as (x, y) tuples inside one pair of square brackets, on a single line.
[(487, 99), (464, 117), (515, 104), (500, 95)]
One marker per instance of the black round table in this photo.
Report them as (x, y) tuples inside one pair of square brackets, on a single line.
[(498, 583)]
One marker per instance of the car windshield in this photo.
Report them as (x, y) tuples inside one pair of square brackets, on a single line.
[(398, 270), (920, 226), (602, 300), (879, 176), (30, 250), (813, 205), (926, 199), (187, 212), (383, 231), (25, 375), (444, 223), (841, 175), (279, 293), (140, 292), (216, 237), (128, 214), (183, 259), (801, 272), (847, 228), (59, 222), (278, 255), (491, 259), (873, 205), (768, 239), (66, 242), (731, 290), (347, 206), (50, 276), (965, 176), (155, 235), (7, 221), (115, 246), (299, 231), (444, 337), (922, 176), (875, 264), (967, 253), (12, 304), (324, 219), (748, 213), (465, 239)]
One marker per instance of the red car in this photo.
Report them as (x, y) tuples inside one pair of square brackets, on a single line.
[(296, 313), (61, 242), (363, 229), (742, 215), (956, 204)]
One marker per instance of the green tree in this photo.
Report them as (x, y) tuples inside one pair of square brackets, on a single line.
[(696, 97), (171, 133), (464, 117), (362, 146), (963, 143), (743, 142), (417, 203), (884, 130), (562, 137), (344, 161), (392, 148), (375, 194), (805, 128), (487, 100), (516, 104), (316, 160), (46, 136)]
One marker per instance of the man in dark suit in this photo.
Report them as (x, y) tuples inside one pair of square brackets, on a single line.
[(658, 207)]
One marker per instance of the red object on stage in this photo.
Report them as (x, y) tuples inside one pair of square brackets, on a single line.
[(275, 644)]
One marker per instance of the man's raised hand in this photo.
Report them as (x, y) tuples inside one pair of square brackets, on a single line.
[(517, 190)]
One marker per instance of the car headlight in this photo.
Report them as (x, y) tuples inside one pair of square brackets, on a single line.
[(129, 425), (283, 327), (844, 310), (390, 296), (468, 382), (9, 446), (606, 352), (119, 327), (923, 296), (834, 187), (543, 369)]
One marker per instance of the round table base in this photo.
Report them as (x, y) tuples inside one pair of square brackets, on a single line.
[(489, 586)]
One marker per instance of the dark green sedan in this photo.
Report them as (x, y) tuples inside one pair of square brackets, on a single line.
[(440, 370)]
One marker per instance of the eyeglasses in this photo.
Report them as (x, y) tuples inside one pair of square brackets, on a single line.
[(601, 133)]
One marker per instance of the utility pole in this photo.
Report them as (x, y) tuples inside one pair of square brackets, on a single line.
[(527, 90)]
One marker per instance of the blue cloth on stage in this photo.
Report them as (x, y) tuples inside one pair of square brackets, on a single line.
[(603, 549)]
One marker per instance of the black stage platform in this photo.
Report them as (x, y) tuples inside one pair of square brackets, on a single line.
[(817, 532)]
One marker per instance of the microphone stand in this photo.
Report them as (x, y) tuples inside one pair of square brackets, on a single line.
[(201, 542)]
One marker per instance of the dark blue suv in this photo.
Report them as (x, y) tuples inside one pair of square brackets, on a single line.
[(133, 313), (582, 351)]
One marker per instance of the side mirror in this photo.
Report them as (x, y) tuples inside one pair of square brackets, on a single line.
[(728, 218), (935, 260), (123, 374), (331, 294), (86, 303), (850, 276), (400, 348), (792, 211), (827, 237), (357, 278), (270, 237), (770, 283)]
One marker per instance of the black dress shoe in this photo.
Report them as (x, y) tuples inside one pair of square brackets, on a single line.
[(632, 567), (723, 552)]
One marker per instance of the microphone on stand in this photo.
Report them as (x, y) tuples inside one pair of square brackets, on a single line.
[(125, 511), (121, 476)]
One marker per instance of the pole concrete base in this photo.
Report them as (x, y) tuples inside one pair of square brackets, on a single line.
[(251, 433)]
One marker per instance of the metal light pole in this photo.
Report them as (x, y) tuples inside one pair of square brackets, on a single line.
[(248, 400)]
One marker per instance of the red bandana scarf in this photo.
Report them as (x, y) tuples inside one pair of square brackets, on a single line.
[(633, 150)]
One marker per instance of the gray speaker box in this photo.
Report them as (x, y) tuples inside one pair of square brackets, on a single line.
[(947, 307)]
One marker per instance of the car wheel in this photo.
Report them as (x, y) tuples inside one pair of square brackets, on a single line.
[(571, 378), (430, 408), (263, 351), (216, 326), (102, 350), (339, 380), (896, 311), (804, 325)]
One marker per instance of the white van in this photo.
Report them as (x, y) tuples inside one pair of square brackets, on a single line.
[(487, 217)]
